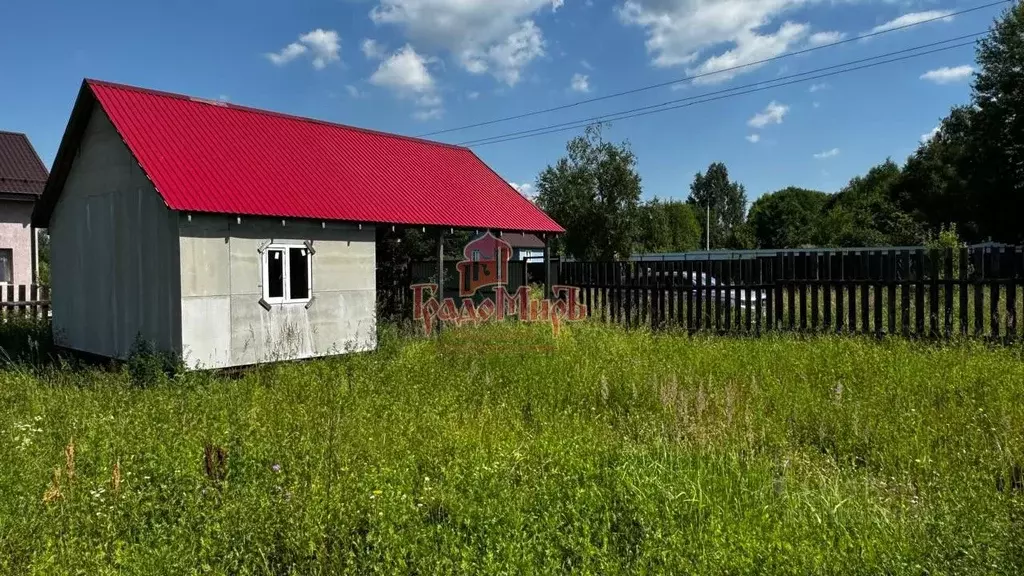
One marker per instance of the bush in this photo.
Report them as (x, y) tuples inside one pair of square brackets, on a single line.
[(148, 366), (25, 340)]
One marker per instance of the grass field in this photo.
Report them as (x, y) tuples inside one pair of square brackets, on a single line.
[(502, 450)]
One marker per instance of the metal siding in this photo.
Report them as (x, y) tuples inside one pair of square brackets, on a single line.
[(220, 158), (114, 253)]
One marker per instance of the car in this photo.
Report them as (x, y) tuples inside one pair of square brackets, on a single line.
[(739, 296)]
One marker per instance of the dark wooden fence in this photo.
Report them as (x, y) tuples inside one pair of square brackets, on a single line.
[(911, 293), (24, 301)]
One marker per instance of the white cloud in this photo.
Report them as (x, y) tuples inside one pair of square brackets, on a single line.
[(816, 104), (586, 65), (690, 32), (323, 45), (428, 114), (406, 73), (817, 87), (580, 83), (526, 189), (772, 114), (947, 75), (913, 18), (827, 154), (473, 95), (926, 138), (372, 49), (224, 98), (822, 38), (353, 91), (287, 54), (499, 37), (754, 138)]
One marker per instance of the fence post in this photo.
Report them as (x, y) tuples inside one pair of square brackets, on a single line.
[(855, 272), (758, 276), (777, 273), (964, 307), (725, 280), (750, 294), (979, 292), (933, 293), (994, 304), (826, 289), (1012, 295), (865, 292), (802, 278), (878, 258), (891, 281), (947, 287), (629, 294)]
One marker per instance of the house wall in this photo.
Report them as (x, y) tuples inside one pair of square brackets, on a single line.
[(223, 323), (113, 252), (16, 234)]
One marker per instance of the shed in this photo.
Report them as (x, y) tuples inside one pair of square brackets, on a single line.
[(235, 236)]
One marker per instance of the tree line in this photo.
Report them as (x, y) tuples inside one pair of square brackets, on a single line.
[(967, 180)]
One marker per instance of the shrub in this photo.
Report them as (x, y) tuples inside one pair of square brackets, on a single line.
[(148, 366)]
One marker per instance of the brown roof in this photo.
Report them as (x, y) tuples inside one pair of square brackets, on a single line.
[(21, 170)]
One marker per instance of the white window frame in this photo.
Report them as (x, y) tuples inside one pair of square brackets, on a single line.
[(285, 248)]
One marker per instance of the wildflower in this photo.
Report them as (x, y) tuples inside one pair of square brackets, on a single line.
[(69, 460), (276, 467), (115, 479), (53, 492)]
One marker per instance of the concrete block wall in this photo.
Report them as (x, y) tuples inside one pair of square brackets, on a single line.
[(223, 323)]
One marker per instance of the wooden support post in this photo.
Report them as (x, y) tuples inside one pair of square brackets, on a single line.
[(440, 271), (547, 268)]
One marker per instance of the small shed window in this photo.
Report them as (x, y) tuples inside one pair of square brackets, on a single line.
[(287, 274)]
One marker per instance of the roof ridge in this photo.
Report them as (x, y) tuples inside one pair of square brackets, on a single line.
[(264, 111)]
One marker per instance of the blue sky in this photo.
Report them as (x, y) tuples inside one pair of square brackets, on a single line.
[(437, 64)]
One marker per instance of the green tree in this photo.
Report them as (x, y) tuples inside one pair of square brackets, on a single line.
[(997, 173), (43, 245), (934, 187), (683, 226), (594, 193), (727, 201), (862, 214), (653, 233), (667, 227), (788, 218), (971, 173)]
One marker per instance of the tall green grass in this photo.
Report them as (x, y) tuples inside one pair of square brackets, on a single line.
[(504, 450)]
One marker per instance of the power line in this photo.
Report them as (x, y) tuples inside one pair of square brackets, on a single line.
[(706, 74), (719, 95)]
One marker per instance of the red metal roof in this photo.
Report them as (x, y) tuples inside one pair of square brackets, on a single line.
[(206, 156), (21, 170)]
